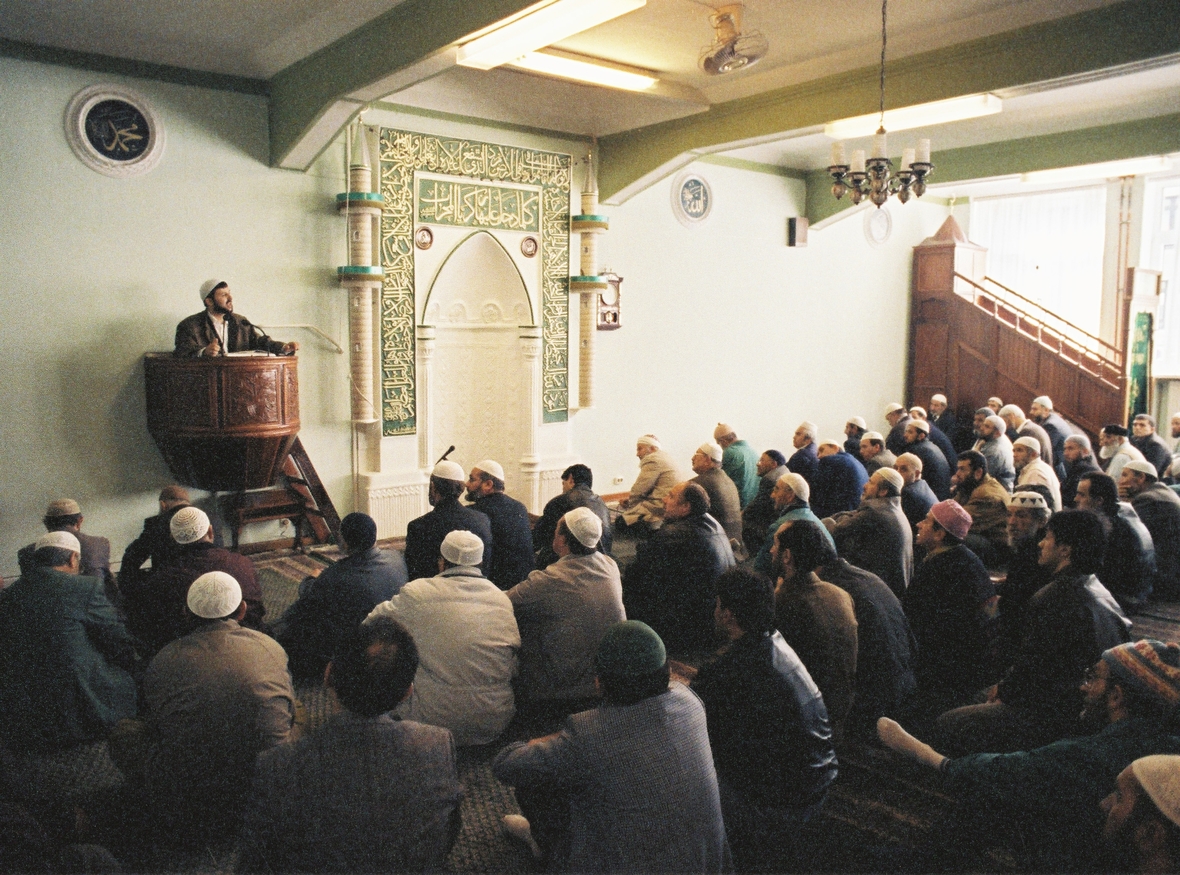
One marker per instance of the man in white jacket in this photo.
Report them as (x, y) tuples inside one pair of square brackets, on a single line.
[(467, 640)]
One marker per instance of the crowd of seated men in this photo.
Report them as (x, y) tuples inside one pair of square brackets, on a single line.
[(958, 593)]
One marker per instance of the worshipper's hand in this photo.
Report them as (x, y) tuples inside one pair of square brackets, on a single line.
[(214, 348), (896, 738)]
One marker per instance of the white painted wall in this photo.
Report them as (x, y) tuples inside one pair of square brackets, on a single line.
[(722, 321)]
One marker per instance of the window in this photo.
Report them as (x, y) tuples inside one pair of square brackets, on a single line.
[(1048, 247), (1161, 251)]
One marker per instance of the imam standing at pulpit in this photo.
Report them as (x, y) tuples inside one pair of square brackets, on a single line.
[(219, 330)]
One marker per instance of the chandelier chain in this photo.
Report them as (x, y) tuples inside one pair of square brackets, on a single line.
[(884, 4)]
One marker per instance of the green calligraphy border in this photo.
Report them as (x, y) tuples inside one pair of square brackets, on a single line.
[(532, 194), (404, 153)]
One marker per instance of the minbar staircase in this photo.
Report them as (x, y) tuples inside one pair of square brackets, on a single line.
[(971, 338)]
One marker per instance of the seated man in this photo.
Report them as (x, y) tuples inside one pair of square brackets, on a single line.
[(65, 658), (1151, 445), (1042, 413), (1028, 515), (995, 446), (671, 584), (724, 502), (944, 419), (936, 470), (805, 459), (1116, 450), (1043, 804), (873, 453), (986, 502), (1159, 508), (876, 536), (424, 535), (898, 418), (838, 482), (219, 330), (936, 436), (155, 541), (739, 461), (643, 509), (1016, 421), (1079, 461), (467, 641), (949, 604), (64, 515), (790, 496), (760, 512), (854, 430), (563, 611), (768, 728), (916, 496), (332, 605), (156, 611), (366, 792), (213, 700), (1068, 624), (512, 560), (815, 617), (577, 482), (1032, 470), (1143, 816), (629, 786), (1128, 563)]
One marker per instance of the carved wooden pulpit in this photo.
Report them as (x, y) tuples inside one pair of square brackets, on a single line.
[(223, 423)]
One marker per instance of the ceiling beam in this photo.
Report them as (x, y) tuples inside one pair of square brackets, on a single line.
[(1124, 33), (312, 98)]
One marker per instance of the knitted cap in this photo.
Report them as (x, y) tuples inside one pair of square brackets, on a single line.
[(448, 470), (630, 649), (62, 507), (491, 466), (359, 531), (189, 525), (1149, 667), (776, 457), (1159, 776), (461, 547), (952, 517), (1115, 428), (59, 540), (1028, 499), (584, 525), (858, 421), (648, 440), (214, 595), (1143, 467), (722, 430), (797, 484), (711, 451)]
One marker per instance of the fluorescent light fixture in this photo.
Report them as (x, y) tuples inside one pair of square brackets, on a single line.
[(566, 67), (544, 27), (919, 116), (1104, 170)]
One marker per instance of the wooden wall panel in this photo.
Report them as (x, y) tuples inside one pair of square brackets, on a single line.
[(934, 272), (975, 329), (930, 357)]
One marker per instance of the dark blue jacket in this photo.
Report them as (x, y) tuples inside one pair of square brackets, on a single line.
[(424, 536), (513, 557), (935, 470), (837, 485)]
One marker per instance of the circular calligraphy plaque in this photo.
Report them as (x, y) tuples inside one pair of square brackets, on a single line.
[(692, 199), (114, 131)]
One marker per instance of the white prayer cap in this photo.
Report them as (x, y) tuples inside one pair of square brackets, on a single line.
[(832, 442), (1011, 410), (910, 459), (796, 484), (462, 547), (858, 421), (1159, 776), (713, 451), (59, 540), (919, 412), (809, 428), (722, 430), (1028, 499), (648, 440), (920, 424), (1031, 443), (491, 466), (214, 595), (584, 525), (893, 408), (998, 423), (1044, 400), (189, 525), (208, 287), (939, 397), (892, 476), (448, 470), (1143, 467), (872, 436), (62, 507)]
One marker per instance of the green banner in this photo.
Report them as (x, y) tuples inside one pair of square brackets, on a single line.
[(1140, 365)]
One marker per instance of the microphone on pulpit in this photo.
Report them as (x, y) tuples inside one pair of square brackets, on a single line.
[(266, 337), (443, 457)]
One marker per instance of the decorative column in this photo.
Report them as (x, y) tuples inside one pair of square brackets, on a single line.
[(588, 284), (361, 207), (424, 350), (530, 462)]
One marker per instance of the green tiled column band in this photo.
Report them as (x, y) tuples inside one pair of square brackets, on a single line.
[(403, 155), (367, 197), (360, 270)]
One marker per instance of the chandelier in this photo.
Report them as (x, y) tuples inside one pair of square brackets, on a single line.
[(872, 178)]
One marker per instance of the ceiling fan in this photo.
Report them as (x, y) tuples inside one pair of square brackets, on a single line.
[(731, 50)]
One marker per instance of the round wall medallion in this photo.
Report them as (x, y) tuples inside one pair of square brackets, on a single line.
[(528, 247), (114, 131), (423, 238), (878, 225), (692, 199)]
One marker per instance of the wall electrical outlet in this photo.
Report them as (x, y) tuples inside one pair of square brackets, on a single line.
[(617, 479)]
